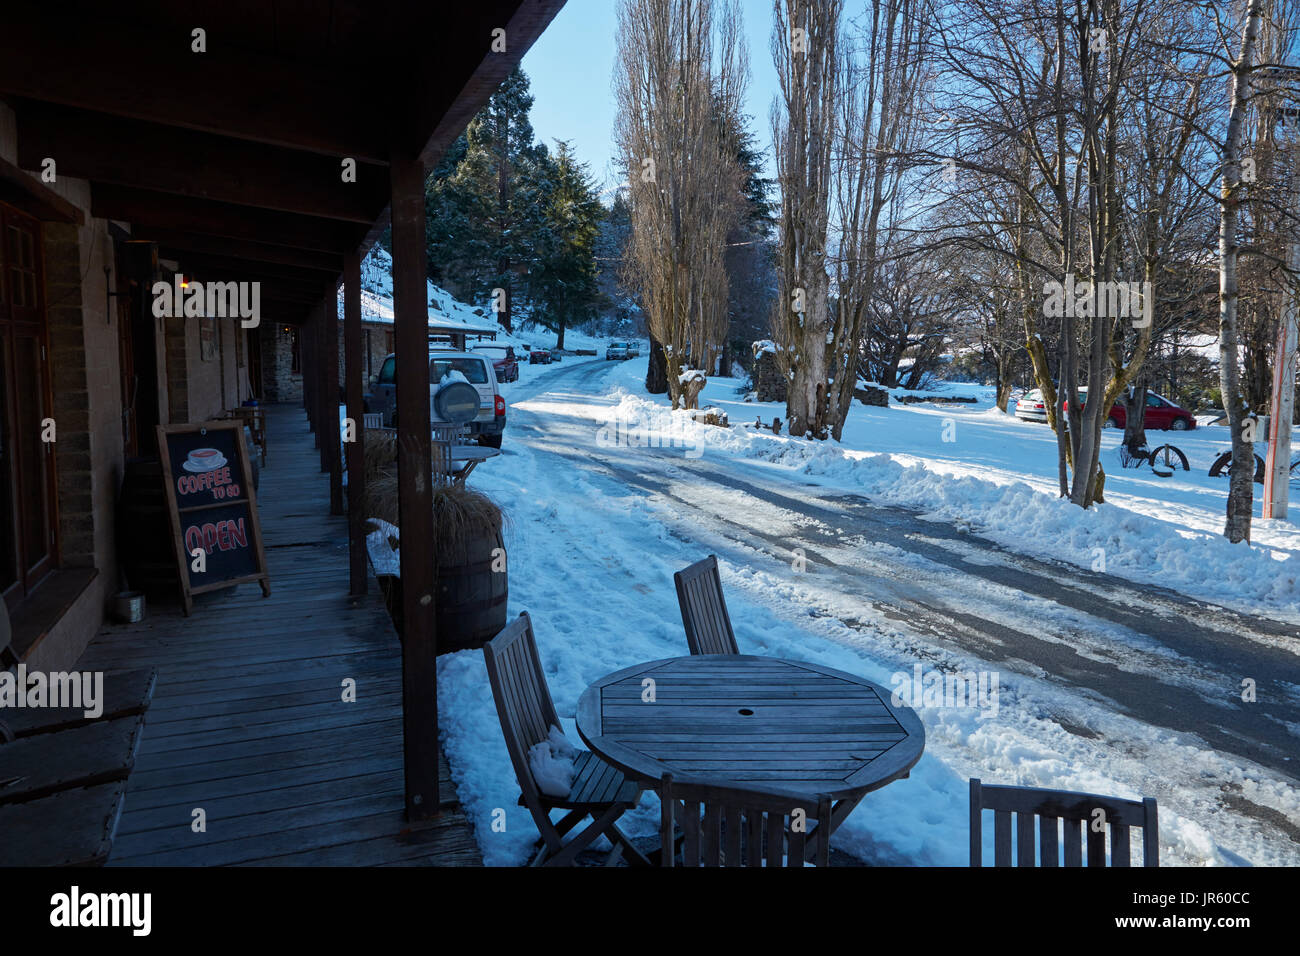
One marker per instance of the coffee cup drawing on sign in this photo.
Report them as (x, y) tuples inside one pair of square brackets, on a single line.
[(204, 459)]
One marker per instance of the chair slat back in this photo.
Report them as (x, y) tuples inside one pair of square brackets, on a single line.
[(726, 826), (7, 656), (523, 700), (1083, 819), (704, 610)]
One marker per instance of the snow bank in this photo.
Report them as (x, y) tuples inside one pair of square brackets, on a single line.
[(1106, 538)]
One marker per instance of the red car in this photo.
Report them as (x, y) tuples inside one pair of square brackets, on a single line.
[(1161, 414), (504, 361)]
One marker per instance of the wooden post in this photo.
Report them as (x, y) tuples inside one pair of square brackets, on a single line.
[(320, 350), (330, 372), (306, 362), (354, 371), (415, 488)]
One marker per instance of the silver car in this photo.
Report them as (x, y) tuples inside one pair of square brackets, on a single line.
[(1030, 406)]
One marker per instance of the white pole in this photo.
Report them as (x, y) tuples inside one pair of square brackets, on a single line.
[(1277, 466), (1277, 470)]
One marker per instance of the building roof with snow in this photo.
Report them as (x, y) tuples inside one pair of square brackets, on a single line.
[(446, 314)]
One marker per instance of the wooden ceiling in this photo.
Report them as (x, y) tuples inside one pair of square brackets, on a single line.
[(231, 159)]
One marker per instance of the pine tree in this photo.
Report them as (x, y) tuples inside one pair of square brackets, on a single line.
[(563, 283), (484, 219), (751, 256)]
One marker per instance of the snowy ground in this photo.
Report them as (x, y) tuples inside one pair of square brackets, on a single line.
[(897, 548)]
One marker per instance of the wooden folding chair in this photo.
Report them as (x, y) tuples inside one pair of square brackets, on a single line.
[(527, 714), (727, 826), (1073, 810), (704, 610)]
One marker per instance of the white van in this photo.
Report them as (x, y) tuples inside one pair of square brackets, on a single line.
[(446, 366)]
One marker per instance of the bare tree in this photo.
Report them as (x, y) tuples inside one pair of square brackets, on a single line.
[(841, 129), (1241, 483), (681, 75), (883, 70), (911, 315), (805, 48), (1039, 87)]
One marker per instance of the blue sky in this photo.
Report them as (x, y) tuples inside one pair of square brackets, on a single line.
[(571, 69)]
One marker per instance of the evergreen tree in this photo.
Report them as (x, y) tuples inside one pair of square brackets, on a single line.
[(751, 259), (484, 218), (563, 281), (618, 302)]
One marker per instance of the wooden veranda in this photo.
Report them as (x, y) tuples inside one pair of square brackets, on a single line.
[(249, 723), (274, 141)]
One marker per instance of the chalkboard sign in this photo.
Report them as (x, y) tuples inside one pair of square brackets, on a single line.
[(212, 507)]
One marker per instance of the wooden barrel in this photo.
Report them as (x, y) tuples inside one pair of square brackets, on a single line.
[(144, 537), (469, 596)]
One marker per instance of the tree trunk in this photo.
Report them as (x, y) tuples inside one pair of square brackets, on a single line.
[(656, 376), (559, 339), (1135, 416), (1004, 390), (1241, 484)]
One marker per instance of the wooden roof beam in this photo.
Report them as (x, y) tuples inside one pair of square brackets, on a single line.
[(161, 210), (126, 152), (441, 110), (34, 197), (247, 268), (98, 65), (182, 241)]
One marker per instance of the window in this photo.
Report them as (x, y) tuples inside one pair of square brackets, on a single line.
[(1154, 401), (474, 370), (27, 525), (296, 353), (388, 374)]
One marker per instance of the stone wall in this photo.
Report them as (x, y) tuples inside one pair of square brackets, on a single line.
[(769, 380), (279, 381)]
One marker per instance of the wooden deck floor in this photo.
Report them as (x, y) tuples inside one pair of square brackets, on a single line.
[(247, 721)]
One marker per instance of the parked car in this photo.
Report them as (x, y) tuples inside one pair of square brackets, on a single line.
[(1161, 414), (504, 361), (633, 349), (473, 368), (538, 356), (1030, 406), (618, 350)]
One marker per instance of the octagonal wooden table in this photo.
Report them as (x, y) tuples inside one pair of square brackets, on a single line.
[(761, 723)]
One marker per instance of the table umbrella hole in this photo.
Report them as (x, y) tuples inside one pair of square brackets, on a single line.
[(746, 712)]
